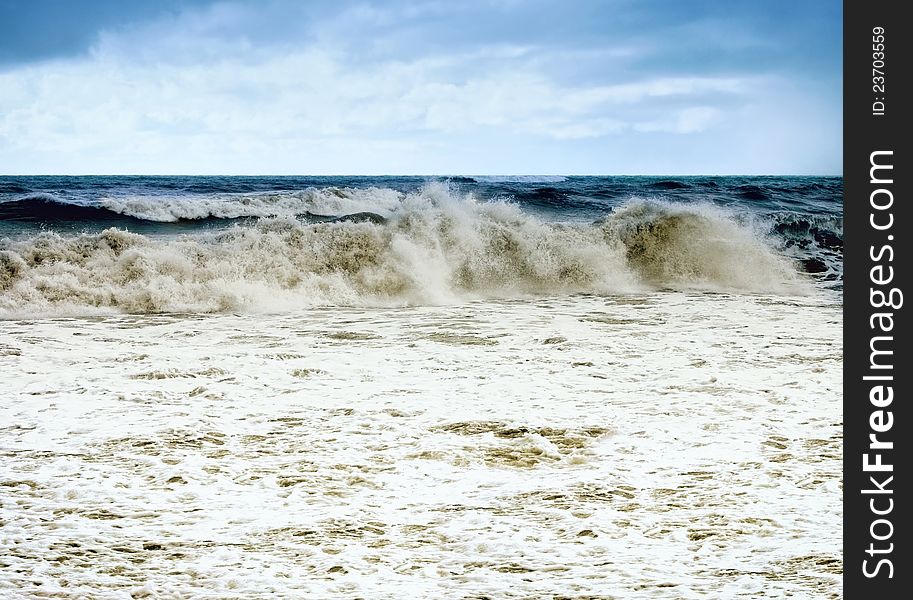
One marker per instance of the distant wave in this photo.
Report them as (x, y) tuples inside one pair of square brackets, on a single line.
[(330, 201), (669, 184), (47, 208), (127, 210), (433, 247), (753, 192), (519, 178)]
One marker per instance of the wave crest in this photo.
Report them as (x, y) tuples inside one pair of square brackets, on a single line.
[(698, 246), (433, 248), (330, 201)]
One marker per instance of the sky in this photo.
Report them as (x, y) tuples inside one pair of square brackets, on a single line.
[(476, 87)]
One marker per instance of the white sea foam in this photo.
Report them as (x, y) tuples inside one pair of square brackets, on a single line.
[(661, 446), (434, 248)]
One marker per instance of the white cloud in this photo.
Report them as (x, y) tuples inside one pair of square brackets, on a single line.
[(193, 94), (689, 120), (308, 93)]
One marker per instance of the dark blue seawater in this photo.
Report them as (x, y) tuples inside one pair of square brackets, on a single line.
[(666, 226), (558, 196)]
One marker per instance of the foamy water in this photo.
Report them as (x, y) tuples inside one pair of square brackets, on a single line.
[(660, 445), (396, 388), (435, 248)]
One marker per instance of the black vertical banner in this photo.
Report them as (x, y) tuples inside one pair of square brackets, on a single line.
[(877, 225)]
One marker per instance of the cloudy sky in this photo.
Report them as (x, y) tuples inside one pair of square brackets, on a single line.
[(420, 87)]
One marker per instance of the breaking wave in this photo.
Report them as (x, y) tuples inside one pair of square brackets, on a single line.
[(126, 210), (324, 201), (433, 247)]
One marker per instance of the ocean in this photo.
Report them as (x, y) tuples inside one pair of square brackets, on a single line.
[(215, 244), (395, 387)]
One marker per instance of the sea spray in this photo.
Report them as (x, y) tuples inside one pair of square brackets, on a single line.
[(435, 246), (698, 245)]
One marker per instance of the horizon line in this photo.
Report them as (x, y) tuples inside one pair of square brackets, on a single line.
[(422, 175)]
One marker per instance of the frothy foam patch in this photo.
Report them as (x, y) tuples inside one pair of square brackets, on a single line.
[(435, 248)]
